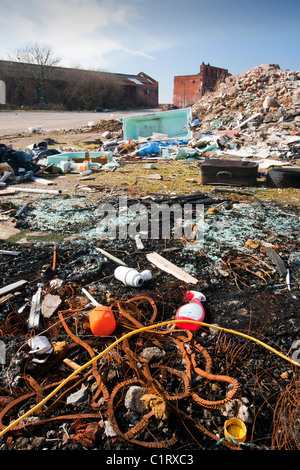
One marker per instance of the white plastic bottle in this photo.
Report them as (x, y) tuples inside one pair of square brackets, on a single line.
[(131, 277)]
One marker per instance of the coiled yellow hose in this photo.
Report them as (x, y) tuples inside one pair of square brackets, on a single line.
[(127, 335)]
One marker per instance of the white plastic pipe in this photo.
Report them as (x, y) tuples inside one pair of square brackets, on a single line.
[(5, 175), (44, 191), (131, 277)]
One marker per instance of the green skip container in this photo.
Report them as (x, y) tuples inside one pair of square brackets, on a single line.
[(174, 124)]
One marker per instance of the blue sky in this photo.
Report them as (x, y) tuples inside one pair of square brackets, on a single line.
[(161, 38)]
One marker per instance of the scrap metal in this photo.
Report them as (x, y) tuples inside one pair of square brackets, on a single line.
[(153, 378)]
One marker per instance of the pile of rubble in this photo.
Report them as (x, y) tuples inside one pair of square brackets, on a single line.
[(105, 127), (260, 108), (253, 115)]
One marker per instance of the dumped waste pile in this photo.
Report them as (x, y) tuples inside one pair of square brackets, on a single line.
[(259, 108), (141, 320), (252, 117), (148, 383)]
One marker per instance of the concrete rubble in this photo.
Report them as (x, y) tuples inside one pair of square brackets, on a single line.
[(260, 110), (144, 382)]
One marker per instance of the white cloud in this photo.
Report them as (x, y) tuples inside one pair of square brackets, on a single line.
[(80, 31), (92, 53), (134, 52)]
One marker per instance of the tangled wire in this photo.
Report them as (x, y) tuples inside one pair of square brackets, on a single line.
[(184, 371)]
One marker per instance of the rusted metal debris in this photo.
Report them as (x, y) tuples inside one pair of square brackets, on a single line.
[(185, 362), (286, 418), (132, 369), (244, 267)]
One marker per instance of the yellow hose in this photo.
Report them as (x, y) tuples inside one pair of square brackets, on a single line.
[(127, 335)]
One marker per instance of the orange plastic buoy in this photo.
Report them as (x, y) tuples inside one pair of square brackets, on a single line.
[(102, 321)]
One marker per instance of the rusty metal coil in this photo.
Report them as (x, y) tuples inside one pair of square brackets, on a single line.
[(24, 398), (101, 386), (13, 325), (185, 381), (219, 378), (131, 316), (226, 443), (135, 315), (142, 425), (286, 434)]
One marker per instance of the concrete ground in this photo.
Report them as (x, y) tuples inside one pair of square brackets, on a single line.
[(12, 122)]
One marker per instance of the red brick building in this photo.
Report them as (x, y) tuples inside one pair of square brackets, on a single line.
[(139, 90), (73, 89), (188, 89)]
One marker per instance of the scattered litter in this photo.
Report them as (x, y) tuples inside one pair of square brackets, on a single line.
[(77, 397), (40, 345), (131, 277), (139, 243), (12, 287), (193, 310), (105, 356), (174, 124), (35, 310)]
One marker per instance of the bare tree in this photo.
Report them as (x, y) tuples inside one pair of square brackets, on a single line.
[(38, 60)]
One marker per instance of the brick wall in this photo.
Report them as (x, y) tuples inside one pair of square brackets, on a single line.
[(21, 82), (188, 89)]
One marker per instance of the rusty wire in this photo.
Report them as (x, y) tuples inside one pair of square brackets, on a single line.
[(13, 325), (241, 266), (155, 377), (189, 360), (286, 434)]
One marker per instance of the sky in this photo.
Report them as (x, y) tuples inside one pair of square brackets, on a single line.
[(162, 38)]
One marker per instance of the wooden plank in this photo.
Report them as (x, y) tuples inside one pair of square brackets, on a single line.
[(111, 257), (11, 287), (7, 192), (170, 268), (5, 298), (41, 180), (9, 252)]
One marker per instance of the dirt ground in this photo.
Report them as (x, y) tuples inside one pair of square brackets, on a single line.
[(129, 176)]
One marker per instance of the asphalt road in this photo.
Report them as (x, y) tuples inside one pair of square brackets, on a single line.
[(22, 121)]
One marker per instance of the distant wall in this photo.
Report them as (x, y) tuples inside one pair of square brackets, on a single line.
[(74, 89), (2, 92), (188, 89), (211, 76)]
